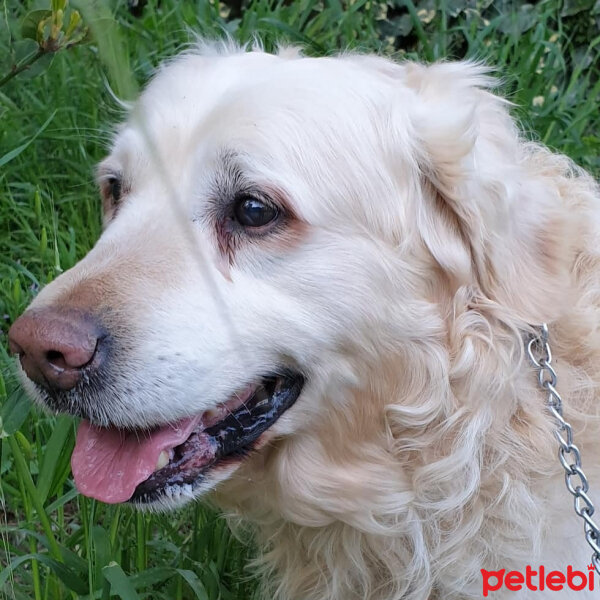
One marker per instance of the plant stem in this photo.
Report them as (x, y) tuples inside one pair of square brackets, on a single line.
[(35, 568), (23, 472), (141, 542), (23, 66)]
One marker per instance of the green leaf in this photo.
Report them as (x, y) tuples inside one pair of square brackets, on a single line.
[(293, 33), (455, 7), (23, 50), (41, 65), (151, 577), (516, 23), (43, 241), (31, 21), (14, 153), (120, 583), (101, 545), (14, 412), (52, 455), (194, 582), (110, 45), (574, 7), (23, 473), (61, 501), (37, 203), (399, 26), (66, 575)]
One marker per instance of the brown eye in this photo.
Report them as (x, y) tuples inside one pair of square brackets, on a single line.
[(115, 189), (252, 212)]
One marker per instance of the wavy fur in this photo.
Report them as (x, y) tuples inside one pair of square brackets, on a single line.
[(429, 242)]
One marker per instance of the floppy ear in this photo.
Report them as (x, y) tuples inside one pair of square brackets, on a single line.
[(492, 211)]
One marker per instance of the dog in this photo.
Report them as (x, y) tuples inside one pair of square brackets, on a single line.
[(311, 300)]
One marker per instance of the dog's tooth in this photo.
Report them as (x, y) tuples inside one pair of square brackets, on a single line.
[(163, 460), (211, 414)]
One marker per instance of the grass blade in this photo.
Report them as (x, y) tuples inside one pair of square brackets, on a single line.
[(25, 477), (66, 575), (52, 455), (194, 582), (120, 583), (14, 153)]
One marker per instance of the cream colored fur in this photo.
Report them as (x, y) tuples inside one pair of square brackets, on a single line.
[(435, 239)]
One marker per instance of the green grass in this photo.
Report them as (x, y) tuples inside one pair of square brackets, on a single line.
[(55, 127)]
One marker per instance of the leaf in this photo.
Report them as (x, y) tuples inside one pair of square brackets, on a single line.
[(14, 153), (120, 583), (455, 7), (194, 582), (24, 50), (31, 21), (591, 141), (38, 67), (151, 576), (108, 39), (400, 26), (66, 575), (518, 22), (62, 501), (14, 412), (52, 454), (574, 7), (101, 542), (293, 33)]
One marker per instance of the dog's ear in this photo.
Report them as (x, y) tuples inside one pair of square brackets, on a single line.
[(491, 212)]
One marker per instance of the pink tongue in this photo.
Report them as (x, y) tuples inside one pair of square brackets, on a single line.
[(108, 464)]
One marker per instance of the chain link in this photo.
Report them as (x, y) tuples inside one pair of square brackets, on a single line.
[(569, 455)]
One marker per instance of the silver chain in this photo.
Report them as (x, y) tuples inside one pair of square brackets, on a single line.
[(569, 455)]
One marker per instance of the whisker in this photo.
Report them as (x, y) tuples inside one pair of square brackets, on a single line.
[(242, 401), (233, 414)]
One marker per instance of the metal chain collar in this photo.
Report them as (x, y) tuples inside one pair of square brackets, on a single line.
[(569, 455)]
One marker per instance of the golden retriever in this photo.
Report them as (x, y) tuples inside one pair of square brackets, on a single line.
[(312, 297)]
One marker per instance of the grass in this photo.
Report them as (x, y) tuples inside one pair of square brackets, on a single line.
[(54, 127)]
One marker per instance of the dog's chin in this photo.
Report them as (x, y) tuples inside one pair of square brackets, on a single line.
[(176, 496)]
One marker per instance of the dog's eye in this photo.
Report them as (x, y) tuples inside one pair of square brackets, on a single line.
[(114, 188), (252, 212)]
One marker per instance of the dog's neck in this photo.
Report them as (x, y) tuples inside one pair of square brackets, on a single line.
[(400, 489)]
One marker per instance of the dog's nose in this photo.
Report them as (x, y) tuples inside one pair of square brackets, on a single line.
[(55, 345)]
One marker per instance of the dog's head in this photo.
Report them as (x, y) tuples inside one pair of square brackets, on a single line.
[(279, 232)]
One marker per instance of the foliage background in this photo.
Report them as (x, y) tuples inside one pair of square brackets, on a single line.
[(55, 123)]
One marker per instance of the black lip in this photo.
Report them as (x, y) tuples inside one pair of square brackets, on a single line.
[(231, 439)]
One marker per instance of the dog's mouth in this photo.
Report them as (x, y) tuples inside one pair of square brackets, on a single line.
[(141, 466)]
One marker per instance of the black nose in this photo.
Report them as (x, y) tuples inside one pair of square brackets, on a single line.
[(56, 345)]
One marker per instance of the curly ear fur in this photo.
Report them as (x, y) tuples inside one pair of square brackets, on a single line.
[(442, 461), (500, 221)]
